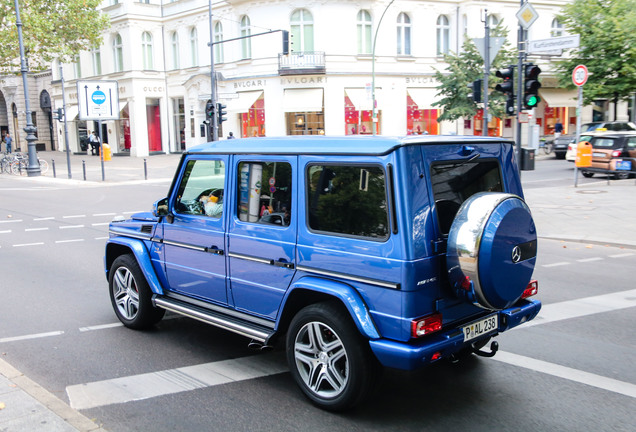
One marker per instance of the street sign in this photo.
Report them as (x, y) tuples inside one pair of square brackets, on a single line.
[(555, 43), (527, 15), (579, 75), (98, 100), (495, 44)]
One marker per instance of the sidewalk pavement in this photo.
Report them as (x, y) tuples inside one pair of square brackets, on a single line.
[(595, 213)]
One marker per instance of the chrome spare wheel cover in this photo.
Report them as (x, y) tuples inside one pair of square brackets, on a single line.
[(125, 293), (321, 360)]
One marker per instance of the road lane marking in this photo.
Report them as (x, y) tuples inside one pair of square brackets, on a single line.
[(44, 218), (69, 241), (101, 238), (133, 212), (73, 216), (28, 244), (71, 226), (104, 214), (567, 373), (149, 385), (36, 229), (584, 260), (583, 307), (5, 232), (31, 336), (623, 255), (100, 327), (100, 224), (556, 264), (11, 221)]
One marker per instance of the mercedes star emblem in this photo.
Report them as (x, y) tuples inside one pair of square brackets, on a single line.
[(516, 254)]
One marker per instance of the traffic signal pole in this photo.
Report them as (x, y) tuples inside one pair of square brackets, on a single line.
[(521, 44), (484, 126)]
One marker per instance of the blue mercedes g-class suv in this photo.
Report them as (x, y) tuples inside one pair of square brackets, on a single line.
[(356, 252)]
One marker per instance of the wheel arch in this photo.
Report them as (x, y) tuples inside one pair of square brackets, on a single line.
[(309, 290), (123, 245)]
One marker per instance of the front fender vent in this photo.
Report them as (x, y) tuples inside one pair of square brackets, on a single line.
[(146, 229)]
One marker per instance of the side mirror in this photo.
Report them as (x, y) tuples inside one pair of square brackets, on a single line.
[(160, 208)]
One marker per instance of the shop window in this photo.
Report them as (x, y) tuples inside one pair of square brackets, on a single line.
[(265, 192), (359, 121), (253, 121), (348, 200), (420, 121), (305, 123)]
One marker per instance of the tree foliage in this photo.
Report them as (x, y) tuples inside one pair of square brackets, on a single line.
[(463, 69), (50, 29), (607, 49)]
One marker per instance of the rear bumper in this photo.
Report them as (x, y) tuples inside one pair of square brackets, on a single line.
[(409, 356)]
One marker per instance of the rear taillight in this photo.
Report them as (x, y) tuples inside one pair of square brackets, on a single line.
[(617, 153), (531, 289), (426, 325)]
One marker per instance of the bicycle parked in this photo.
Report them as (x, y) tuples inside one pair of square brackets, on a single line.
[(17, 164), (546, 146)]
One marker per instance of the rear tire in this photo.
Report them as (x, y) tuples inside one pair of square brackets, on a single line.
[(587, 174), (130, 294), (328, 358), (621, 176)]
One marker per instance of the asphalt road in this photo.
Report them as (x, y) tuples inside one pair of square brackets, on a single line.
[(570, 371)]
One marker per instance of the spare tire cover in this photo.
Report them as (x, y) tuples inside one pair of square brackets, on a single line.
[(493, 242)]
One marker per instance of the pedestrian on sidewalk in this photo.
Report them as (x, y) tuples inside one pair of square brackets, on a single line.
[(94, 142), (8, 140)]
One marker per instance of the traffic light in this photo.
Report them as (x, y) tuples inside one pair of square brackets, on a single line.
[(220, 110), (507, 87), (475, 90), (58, 114), (285, 42), (531, 86), (209, 109)]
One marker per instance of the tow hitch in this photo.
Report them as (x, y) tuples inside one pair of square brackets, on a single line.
[(494, 347)]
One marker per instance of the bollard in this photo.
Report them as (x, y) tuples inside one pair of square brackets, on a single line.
[(145, 170), (53, 164), (84, 169)]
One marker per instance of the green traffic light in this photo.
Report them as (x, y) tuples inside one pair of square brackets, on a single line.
[(532, 101)]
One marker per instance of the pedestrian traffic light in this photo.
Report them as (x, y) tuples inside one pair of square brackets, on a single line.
[(220, 109), (209, 109), (531, 86), (475, 90), (507, 87), (285, 42)]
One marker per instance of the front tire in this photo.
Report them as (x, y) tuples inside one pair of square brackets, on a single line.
[(130, 294), (328, 358)]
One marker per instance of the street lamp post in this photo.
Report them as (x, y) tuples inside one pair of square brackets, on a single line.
[(33, 169), (375, 38)]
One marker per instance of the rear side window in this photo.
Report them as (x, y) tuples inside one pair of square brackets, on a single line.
[(604, 143), (454, 182), (264, 193), (348, 200)]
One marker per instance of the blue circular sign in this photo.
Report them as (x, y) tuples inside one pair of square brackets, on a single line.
[(99, 97)]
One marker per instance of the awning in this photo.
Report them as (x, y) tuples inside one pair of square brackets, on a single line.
[(559, 97), (244, 101), (302, 100), (362, 98), (423, 97)]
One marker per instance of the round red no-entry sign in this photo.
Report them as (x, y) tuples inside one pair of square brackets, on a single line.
[(579, 75)]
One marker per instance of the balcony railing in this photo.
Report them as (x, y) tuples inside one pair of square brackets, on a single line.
[(301, 63)]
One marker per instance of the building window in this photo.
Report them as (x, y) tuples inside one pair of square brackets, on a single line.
[(443, 35), (174, 39), (194, 47), (218, 48), (246, 44), (146, 48), (493, 22), (302, 29), (365, 26), (557, 28), (97, 61), (403, 34), (118, 56)]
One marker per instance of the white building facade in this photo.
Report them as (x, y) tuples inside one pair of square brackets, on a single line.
[(158, 52)]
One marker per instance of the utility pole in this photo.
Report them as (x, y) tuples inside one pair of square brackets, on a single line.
[(484, 128)]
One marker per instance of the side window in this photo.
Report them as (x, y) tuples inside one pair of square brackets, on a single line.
[(201, 189), (631, 143), (349, 200), (265, 192)]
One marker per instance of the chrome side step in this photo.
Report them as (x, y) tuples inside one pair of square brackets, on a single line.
[(245, 328)]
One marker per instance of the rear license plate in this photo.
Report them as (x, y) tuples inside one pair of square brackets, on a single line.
[(481, 327), (624, 165), (600, 155)]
